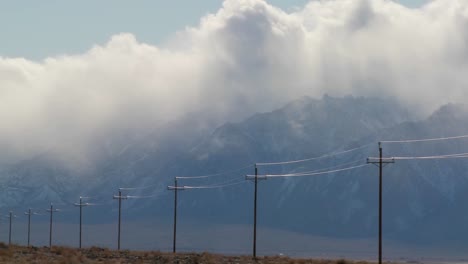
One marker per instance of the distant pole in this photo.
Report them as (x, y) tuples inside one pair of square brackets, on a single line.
[(381, 163), (50, 229), (81, 204), (29, 226), (119, 197), (255, 215), (29, 213), (175, 218), (9, 233), (52, 211), (81, 218), (175, 188)]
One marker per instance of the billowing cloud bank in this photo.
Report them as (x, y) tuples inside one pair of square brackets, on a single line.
[(247, 57)]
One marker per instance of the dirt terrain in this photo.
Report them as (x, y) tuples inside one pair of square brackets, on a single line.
[(65, 255)]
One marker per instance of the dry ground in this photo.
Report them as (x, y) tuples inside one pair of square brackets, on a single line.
[(65, 255)]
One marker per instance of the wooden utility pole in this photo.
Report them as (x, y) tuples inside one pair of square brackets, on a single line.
[(119, 197), (380, 162), (255, 178), (28, 213), (175, 188), (51, 210), (81, 204)]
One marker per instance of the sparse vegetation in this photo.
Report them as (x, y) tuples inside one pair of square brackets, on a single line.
[(65, 255)]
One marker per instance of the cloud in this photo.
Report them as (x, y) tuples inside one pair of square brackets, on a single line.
[(247, 57)]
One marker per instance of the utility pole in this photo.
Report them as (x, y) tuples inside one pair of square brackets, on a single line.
[(119, 197), (254, 250), (81, 204), (10, 215), (175, 188), (28, 213), (381, 163), (52, 211), (255, 178)]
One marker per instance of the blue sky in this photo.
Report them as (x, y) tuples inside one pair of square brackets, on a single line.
[(38, 29)]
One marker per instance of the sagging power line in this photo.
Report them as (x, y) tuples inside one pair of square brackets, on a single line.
[(308, 174), (215, 174), (424, 139), (332, 154)]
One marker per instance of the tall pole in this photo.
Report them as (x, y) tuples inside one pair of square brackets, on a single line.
[(29, 213), (255, 215), (9, 233), (52, 211), (81, 205), (81, 218), (175, 218), (381, 162), (380, 202), (120, 215), (119, 197), (175, 188)]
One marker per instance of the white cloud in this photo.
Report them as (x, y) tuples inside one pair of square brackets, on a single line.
[(247, 57)]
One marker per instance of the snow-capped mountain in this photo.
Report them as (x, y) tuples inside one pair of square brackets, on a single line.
[(422, 198)]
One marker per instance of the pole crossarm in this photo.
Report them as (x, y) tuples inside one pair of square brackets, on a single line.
[(11, 216), (375, 160), (178, 188), (254, 177)]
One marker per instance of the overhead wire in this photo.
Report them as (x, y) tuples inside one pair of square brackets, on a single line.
[(215, 174), (424, 140), (140, 196), (331, 167), (312, 174), (138, 188), (449, 156), (214, 186), (332, 154)]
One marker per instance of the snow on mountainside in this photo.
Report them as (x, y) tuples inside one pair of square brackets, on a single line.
[(422, 199)]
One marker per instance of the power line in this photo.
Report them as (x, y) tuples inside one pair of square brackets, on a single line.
[(424, 140), (308, 174), (138, 188), (330, 168), (215, 174), (214, 186), (141, 197), (449, 156), (314, 158)]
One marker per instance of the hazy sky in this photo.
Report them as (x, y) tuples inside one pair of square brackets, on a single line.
[(38, 29), (75, 73)]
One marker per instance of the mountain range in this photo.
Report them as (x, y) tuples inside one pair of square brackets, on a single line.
[(424, 200)]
